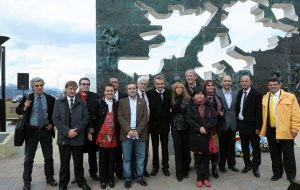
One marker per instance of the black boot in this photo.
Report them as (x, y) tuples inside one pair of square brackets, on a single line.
[(214, 171)]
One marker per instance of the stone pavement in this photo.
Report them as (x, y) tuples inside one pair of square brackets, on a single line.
[(11, 170)]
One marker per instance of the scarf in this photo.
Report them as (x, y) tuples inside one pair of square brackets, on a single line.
[(213, 98)]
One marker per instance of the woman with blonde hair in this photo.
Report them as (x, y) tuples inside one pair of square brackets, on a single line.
[(179, 130)]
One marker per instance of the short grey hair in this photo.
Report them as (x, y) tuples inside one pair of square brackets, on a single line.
[(143, 77), (191, 71), (36, 79), (159, 77)]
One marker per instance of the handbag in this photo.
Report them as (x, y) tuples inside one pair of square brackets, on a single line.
[(214, 144), (107, 137), (19, 136)]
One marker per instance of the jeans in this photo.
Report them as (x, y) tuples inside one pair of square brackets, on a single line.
[(127, 147)]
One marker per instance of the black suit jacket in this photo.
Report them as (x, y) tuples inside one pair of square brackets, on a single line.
[(159, 121), (252, 112), (50, 104)]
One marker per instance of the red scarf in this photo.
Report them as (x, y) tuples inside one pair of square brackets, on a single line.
[(83, 96)]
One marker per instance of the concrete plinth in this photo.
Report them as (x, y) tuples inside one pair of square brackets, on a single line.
[(7, 147)]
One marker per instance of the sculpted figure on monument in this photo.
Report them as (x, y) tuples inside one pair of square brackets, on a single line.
[(112, 40)]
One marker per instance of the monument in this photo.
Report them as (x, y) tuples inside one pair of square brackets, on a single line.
[(121, 25)]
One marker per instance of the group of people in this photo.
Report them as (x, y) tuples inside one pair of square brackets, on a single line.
[(202, 120)]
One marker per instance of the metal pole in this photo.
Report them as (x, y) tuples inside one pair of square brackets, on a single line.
[(3, 106)]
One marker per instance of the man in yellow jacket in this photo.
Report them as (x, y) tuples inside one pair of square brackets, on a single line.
[(281, 124)]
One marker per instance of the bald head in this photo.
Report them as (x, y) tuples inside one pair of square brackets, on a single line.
[(226, 82), (245, 82)]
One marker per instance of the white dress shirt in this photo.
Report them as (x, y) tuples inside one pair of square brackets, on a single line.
[(276, 99)]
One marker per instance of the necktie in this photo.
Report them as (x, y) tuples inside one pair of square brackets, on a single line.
[(244, 102), (71, 103), (143, 95), (161, 96), (40, 111), (271, 110)]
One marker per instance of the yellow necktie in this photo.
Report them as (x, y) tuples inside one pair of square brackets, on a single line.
[(271, 110)]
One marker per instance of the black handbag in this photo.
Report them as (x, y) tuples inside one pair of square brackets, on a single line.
[(20, 130)]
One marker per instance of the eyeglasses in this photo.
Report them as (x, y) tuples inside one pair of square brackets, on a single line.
[(85, 84), (38, 85)]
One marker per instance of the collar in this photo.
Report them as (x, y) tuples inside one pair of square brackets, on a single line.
[(226, 92), (160, 91), (132, 98), (69, 98), (277, 94), (140, 92), (248, 90)]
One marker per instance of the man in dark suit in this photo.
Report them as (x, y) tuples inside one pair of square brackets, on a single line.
[(159, 123), (71, 117), (133, 119), (38, 128), (90, 146), (248, 110), (228, 126)]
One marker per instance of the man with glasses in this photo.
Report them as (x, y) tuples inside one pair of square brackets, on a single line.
[(90, 98), (39, 128)]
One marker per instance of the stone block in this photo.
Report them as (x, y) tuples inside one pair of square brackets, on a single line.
[(7, 147)]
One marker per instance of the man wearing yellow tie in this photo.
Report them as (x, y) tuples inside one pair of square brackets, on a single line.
[(281, 124)]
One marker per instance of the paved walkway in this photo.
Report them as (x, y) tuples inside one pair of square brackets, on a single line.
[(11, 176)]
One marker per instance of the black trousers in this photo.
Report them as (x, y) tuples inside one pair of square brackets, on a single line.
[(201, 166), (282, 155), (255, 142), (119, 159), (33, 137), (164, 141), (182, 152), (227, 148), (106, 164), (92, 157), (65, 152)]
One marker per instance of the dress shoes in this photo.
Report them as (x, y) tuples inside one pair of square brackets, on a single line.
[(246, 169), (233, 168), (95, 177), (166, 171), (74, 181), (214, 172), (52, 182), (223, 169), (154, 172), (142, 182), (127, 184), (146, 173), (84, 186), (291, 180), (103, 185), (275, 178), (256, 172), (179, 179), (111, 184), (26, 186)]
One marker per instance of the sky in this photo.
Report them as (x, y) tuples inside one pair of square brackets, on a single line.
[(56, 40)]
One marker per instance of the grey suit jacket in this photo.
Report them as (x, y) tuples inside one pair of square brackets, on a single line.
[(229, 120), (64, 121), (141, 118)]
